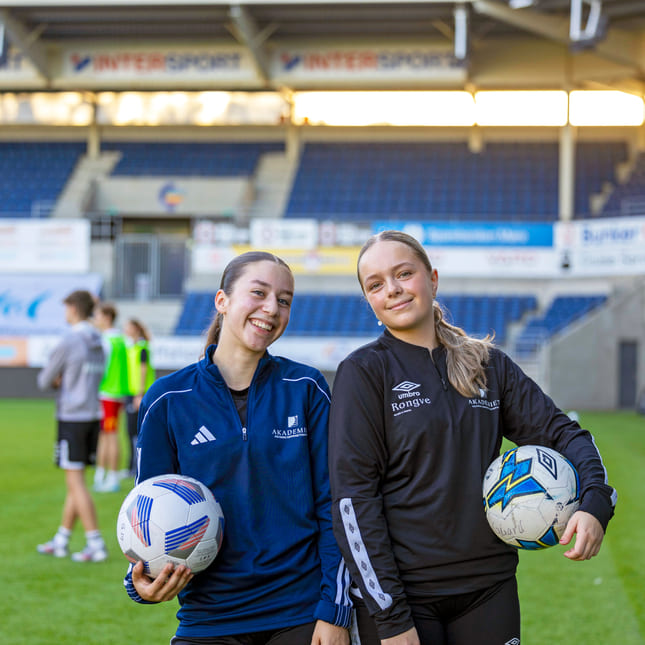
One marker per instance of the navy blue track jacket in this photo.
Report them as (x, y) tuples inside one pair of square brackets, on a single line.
[(279, 564), (408, 455)]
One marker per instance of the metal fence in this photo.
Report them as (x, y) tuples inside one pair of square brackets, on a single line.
[(150, 266)]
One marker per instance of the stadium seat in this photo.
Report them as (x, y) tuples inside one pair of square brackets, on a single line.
[(350, 315), (33, 173), (189, 158), (518, 181), (562, 311)]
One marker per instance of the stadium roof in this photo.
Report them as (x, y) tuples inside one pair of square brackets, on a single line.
[(611, 31)]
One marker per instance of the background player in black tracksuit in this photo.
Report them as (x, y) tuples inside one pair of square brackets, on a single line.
[(417, 417)]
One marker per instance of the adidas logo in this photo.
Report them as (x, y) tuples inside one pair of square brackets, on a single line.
[(203, 435)]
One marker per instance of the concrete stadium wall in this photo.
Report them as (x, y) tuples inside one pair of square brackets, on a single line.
[(584, 363)]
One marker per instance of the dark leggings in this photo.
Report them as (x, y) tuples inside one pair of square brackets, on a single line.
[(131, 418), (298, 635), (488, 617)]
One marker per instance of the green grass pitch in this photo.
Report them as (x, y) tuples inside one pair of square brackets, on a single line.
[(48, 601)]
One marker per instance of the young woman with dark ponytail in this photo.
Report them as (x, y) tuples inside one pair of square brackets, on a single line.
[(417, 417), (253, 428)]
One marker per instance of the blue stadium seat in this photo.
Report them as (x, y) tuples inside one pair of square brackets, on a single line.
[(350, 315), (628, 198), (189, 158), (358, 181), (595, 164), (562, 311), (33, 172)]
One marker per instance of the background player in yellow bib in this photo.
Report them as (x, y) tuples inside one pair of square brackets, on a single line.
[(141, 375), (112, 393)]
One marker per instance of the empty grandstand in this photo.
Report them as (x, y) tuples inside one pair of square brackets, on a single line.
[(213, 153)]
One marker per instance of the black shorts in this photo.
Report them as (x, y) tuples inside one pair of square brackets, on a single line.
[(298, 635), (76, 444), (487, 617)]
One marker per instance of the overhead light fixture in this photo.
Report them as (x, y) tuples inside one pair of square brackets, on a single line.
[(594, 28), (4, 45), (521, 4), (461, 31)]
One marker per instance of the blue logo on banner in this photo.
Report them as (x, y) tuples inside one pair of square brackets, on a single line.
[(80, 62), (12, 305), (473, 233), (289, 62)]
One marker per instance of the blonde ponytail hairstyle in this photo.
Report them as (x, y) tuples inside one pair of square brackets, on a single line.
[(466, 357)]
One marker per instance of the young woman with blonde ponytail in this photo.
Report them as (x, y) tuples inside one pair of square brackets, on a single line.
[(417, 416)]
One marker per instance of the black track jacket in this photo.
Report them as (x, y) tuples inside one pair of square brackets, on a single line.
[(407, 457)]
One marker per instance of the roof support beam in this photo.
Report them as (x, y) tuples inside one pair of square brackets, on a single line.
[(619, 46), (26, 41), (246, 31)]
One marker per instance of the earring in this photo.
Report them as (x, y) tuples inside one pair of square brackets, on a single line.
[(379, 323)]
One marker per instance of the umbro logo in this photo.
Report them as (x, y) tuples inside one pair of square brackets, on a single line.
[(405, 386), (203, 435)]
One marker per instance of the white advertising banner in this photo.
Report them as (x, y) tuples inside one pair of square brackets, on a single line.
[(207, 258), (323, 353), (181, 66), (172, 352), (284, 234), (44, 246), (33, 304), (605, 247), (357, 66), (494, 262), (169, 352), (175, 352)]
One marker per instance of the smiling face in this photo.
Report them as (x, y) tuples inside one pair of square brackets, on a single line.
[(400, 290), (256, 311)]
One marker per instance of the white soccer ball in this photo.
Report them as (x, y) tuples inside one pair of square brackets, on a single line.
[(170, 518), (529, 494)]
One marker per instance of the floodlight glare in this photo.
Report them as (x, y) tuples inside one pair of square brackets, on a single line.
[(605, 108)]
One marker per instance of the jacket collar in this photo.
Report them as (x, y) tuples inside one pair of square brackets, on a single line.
[(393, 342), (209, 368)]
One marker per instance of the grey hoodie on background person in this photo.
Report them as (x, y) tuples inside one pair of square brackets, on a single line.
[(79, 361)]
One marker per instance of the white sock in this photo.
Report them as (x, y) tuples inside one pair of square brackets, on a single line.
[(94, 540), (62, 536), (99, 475)]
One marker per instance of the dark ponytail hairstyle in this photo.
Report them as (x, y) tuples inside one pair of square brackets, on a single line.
[(231, 275)]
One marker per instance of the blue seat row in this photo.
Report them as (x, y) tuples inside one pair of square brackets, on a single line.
[(33, 172), (350, 315), (629, 198), (188, 158), (357, 181), (562, 311)]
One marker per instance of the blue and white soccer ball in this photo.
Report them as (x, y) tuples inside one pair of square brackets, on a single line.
[(529, 494), (170, 518)]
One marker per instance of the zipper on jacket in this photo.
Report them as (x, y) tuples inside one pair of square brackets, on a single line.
[(244, 434), (444, 385)]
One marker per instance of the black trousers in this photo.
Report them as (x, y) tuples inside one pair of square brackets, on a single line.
[(488, 617), (298, 635)]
